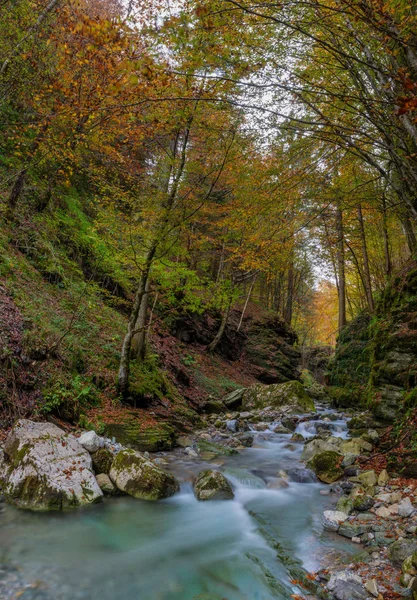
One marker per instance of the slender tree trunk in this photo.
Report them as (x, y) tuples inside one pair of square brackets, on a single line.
[(213, 345), (290, 295), (367, 272), (341, 267), (139, 338), (387, 253), (246, 304), (410, 234), (124, 366)]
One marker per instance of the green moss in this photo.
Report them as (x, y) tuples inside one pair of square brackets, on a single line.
[(132, 432)]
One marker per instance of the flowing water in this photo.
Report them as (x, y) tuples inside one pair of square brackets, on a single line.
[(179, 549)]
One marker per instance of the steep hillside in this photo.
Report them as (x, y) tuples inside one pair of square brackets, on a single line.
[(64, 301), (375, 366)]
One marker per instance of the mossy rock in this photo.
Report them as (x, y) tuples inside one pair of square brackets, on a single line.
[(326, 466), (102, 461), (212, 485), (214, 449), (277, 395), (152, 439), (139, 477)]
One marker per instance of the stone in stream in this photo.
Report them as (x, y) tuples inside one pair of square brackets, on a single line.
[(326, 466), (316, 446), (139, 477), (291, 393), (212, 485), (332, 519), (211, 449), (301, 475), (45, 468)]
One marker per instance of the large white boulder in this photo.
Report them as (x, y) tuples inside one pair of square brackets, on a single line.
[(45, 468)]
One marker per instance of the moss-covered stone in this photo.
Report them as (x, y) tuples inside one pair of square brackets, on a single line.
[(139, 477), (102, 461), (132, 432), (277, 395), (326, 466), (214, 449), (212, 485)]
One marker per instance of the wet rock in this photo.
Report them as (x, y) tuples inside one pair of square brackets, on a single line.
[(326, 466), (297, 437), (290, 394), (316, 446), (301, 475), (90, 441), (139, 477), (332, 519), (282, 429), (46, 468), (105, 484), (212, 485), (401, 549), (102, 461), (184, 441), (191, 452), (289, 423), (205, 447), (232, 425), (246, 439)]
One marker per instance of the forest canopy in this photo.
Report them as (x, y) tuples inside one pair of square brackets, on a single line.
[(223, 151)]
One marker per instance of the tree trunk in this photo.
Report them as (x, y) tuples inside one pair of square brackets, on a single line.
[(246, 304), (387, 253), (410, 234), (139, 338), (213, 345), (16, 191), (290, 295), (124, 366), (367, 273), (341, 268)]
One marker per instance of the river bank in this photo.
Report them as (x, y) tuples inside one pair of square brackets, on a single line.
[(277, 538)]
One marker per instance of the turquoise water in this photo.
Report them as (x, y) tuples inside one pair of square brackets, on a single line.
[(179, 548)]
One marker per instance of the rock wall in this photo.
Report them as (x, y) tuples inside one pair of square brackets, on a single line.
[(376, 357)]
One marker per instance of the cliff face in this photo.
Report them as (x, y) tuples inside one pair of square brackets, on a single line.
[(376, 357)]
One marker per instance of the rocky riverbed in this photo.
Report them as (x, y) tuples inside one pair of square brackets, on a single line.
[(268, 501)]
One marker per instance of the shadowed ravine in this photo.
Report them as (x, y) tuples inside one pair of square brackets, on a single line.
[(249, 548)]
